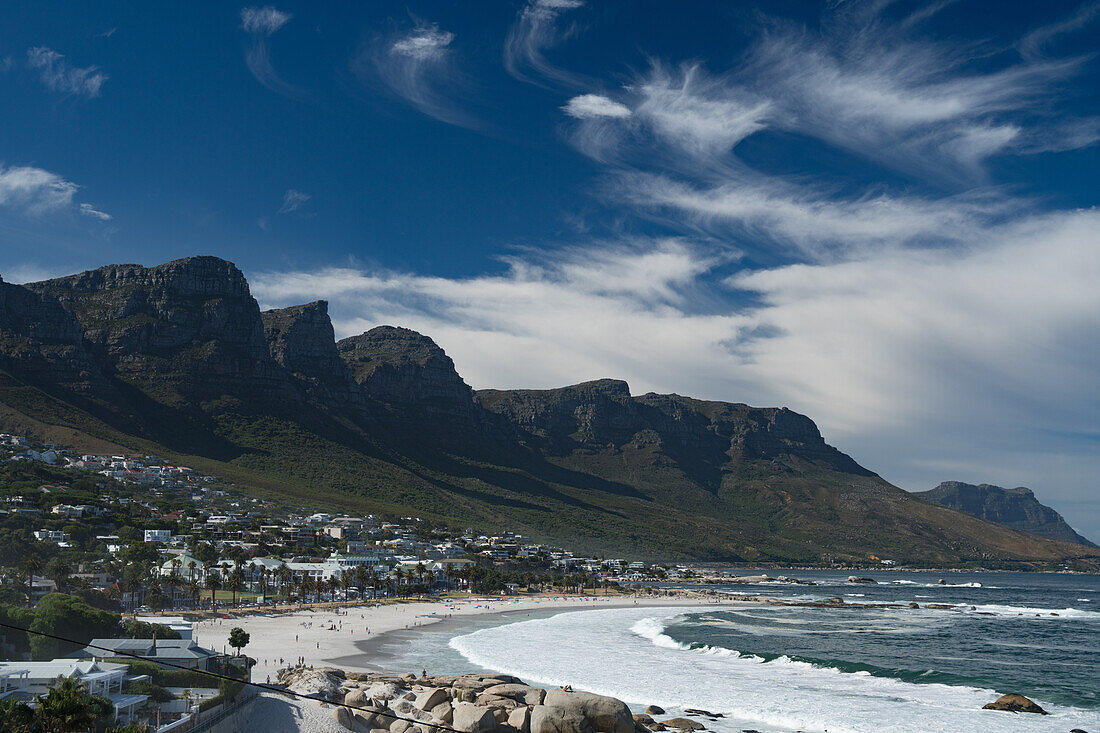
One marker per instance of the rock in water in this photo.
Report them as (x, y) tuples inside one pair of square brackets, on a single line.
[(1014, 704), (683, 724), (655, 710)]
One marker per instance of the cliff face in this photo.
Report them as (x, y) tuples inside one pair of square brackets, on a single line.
[(187, 332), (1017, 508), (603, 415), (414, 382), (44, 343), (302, 341)]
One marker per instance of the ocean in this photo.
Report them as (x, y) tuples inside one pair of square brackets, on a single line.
[(774, 669)]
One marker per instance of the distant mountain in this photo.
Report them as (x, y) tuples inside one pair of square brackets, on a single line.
[(1017, 508), (178, 360)]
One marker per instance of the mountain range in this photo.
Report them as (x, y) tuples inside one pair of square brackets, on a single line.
[(1017, 508), (179, 360)]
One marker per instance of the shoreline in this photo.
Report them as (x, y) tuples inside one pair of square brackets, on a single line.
[(353, 637)]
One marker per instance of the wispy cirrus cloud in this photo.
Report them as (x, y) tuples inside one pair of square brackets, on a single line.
[(419, 68), (89, 210), (535, 32), (36, 191), (261, 23), (293, 200), (60, 76)]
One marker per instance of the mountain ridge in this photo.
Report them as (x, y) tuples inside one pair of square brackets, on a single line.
[(180, 358), (1017, 508)]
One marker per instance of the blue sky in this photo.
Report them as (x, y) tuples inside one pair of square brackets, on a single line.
[(877, 213)]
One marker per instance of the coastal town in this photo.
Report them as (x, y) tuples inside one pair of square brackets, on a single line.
[(134, 539)]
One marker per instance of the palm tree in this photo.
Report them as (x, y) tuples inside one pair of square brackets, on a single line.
[(174, 580), (59, 570), (284, 576), (194, 589), (213, 584), (191, 565), (420, 573), (31, 566), (235, 582), (429, 576), (360, 579), (346, 579)]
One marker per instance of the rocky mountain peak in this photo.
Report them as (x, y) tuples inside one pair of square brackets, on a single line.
[(411, 375), (1017, 508), (302, 341)]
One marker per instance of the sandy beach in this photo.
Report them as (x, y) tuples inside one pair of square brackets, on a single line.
[(344, 637)]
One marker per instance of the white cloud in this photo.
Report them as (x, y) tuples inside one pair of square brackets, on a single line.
[(921, 362), (263, 21), (534, 32), (419, 68), (293, 200), (59, 76), (587, 106), (791, 219), (34, 190), (89, 210), (698, 113), (424, 44)]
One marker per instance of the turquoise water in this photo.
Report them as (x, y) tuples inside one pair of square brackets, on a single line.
[(1036, 634), (780, 669)]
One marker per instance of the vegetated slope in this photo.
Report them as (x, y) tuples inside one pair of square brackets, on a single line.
[(179, 360), (1017, 508)]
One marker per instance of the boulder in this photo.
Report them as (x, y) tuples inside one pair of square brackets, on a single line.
[(400, 726), (683, 724), (520, 720), (643, 719), (604, 714), (655, 710), (470, 718), (474, 684), (525, 694), (369, 720), (1014, 704), (428, 699), (408, 709), (545, 719), (443, 711), (496, 701), (857, 579), (356, 699), (343, 717)]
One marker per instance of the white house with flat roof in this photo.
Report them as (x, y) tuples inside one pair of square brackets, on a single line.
[(24, 680)]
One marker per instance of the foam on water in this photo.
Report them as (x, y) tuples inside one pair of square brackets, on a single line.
[(1029, 612), (627, 654)]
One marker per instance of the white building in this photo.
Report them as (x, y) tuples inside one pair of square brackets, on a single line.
[(158, 535)]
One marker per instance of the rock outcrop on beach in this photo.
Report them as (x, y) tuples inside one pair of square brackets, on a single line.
[(178, 360), (1017, 508), (470, 703)]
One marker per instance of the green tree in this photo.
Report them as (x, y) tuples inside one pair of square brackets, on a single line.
[(17, 716), (213, 584), (69, 708), (238, 639), (68, 616)]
